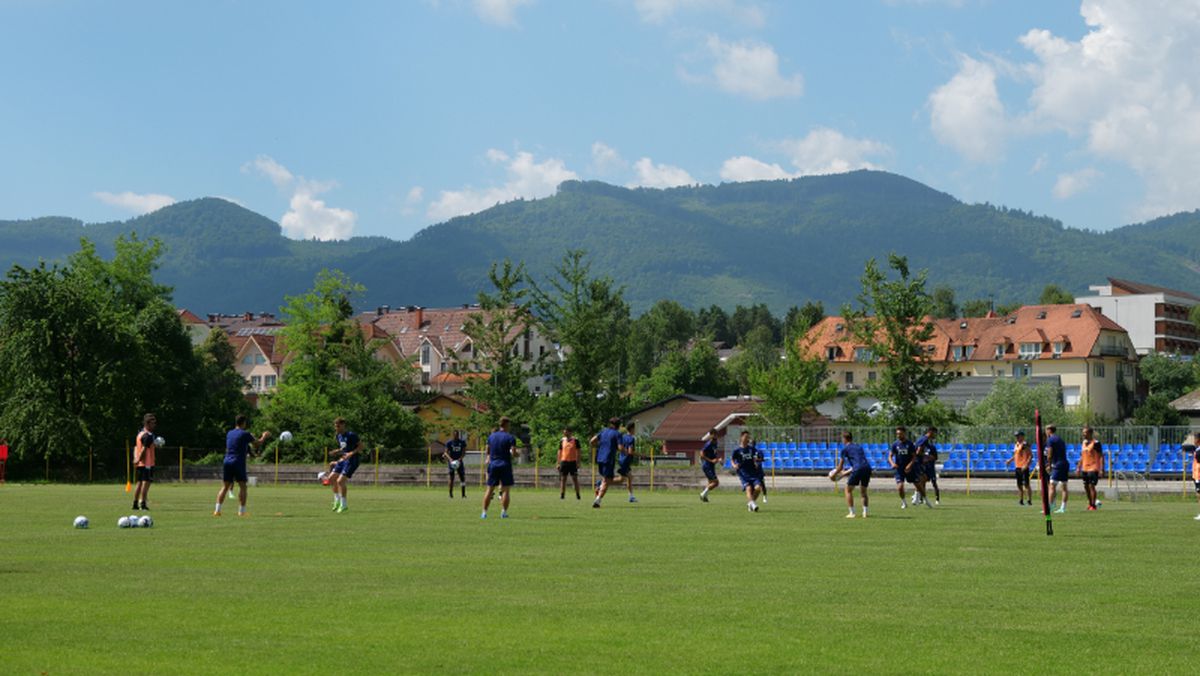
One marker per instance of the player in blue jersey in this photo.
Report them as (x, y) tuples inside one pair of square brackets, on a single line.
[(745, 462), (340, 470), (606, 444), (501, 447), (927, 457), (708, 463), (852, 462), (903, 459), (238, 443), (1059, 465), (760, 461), (625, 459), (454, 456)]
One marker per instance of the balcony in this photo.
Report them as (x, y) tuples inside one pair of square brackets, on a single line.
[(1113, 351)]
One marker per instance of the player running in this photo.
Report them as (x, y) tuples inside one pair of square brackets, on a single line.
[(568, 463), (927, 457), (143, 460), (1091, 465), (238, 443), (501, 446), (708, 463), (341, 470), (902, 457), (456, 450), (1022, 456), (605, 444), (746, 464), (852, 462), (1059, 466), (760, 461), (625, 458)]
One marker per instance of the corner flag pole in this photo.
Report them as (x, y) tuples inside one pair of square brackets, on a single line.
[(128, 462), (1042, 475)]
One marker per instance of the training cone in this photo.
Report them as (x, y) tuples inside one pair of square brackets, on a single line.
[(128, 486)]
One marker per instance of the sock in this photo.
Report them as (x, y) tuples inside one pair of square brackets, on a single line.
[(241, 509), (217, 509), (864, 510), (503, 512), (343, 500), (704, 492)]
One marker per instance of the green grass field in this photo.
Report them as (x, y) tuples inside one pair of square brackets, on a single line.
[(409, 581)]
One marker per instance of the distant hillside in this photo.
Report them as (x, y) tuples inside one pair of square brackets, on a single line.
[(778, 242)]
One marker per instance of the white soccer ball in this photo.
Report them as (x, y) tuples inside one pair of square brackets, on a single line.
[(134, 521), (160, 442), (285, 437), (832, 474), (321, 476), (81, 522), (123, 522), (455, 463), (145, 522)]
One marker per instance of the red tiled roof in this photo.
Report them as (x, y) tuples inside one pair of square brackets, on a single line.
[(694, 419), (187, 317), (442, 327)]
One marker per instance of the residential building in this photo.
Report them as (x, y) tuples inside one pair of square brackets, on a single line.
[(1090, 354), (197, 329), (444, 414), (649, 417), (1157, 318), (682, 431)]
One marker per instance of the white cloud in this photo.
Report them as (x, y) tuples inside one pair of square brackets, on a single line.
[(415, 195), (307, 216), (525, 179), (659, 11), (499, 12), (651, 175), (966, 113), (605, 159), (750, 68), (1069, 185), (134, 202), (829, 151), (268, 167), (744, 168)]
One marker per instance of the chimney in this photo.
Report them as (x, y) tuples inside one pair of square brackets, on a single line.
[(420, 316), (248, 316), (212, 318), (387, 309), (379, 311)]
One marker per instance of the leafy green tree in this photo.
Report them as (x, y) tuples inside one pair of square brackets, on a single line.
[(667, 326), (944, 306), (891, 322), (794, 388), (1194, 316), (696, 371), (800, 319), (978, 307), (714, 323), (758, 352), (496, 335), (221, 382), (747, 319), (1012, 401), (1168, 375), (1053, 294), (1157, 411)]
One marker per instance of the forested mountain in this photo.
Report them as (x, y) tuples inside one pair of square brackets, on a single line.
[(775, 242)]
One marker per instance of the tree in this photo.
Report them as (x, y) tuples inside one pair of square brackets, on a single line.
[(713, 322), (665, 327), (976, 308), (1157, 411), (746, 319), (696, 371), (1011, 403), (944, 306), (891, 322), (794, 388), (800, 319), (1167, 375), (1053, 294), (222, 384)]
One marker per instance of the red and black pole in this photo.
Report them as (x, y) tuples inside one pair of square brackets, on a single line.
[(1043, 475)]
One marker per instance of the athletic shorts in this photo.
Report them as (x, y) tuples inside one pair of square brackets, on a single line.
[(568, 468), (898, 472), (749, 480), (623, 466), (143, 474), (859, 477), (346, 467), (1091, 478), (930, 472), (461, 471), (1022, 474), (1197, 486), (500, 474), (914, 476), (234, 472), (1060, 473), (710, 472), (605, 469)]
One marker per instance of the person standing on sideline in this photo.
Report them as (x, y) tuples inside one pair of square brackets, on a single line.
[(342, 469), (237, 445), (143, 460), (708, 463), (501, 446), (927, 457), (853, 463), (3, 457), (1189, 447), (1022, 456), (568, 463), (1059, 466), (745, 463), (625, 459), (1091, 465), (456, 450), (605, 445), (902, 457)]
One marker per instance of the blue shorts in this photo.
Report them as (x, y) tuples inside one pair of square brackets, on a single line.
[(749, 480), (710, 470), (605, 469), (899, 473), (930, 472), (234, 472), (623, 465), (1060, 473), (500, 474), (860, 477), (346, 467)]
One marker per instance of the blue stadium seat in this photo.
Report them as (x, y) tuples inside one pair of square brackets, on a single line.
[(793, 446)]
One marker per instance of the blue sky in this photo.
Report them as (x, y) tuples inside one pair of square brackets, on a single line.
[(380, 118)]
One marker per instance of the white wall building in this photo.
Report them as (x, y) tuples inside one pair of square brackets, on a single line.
[(1155, 317)]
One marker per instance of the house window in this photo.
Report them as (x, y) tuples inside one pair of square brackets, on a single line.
[(1022, 370), (445, 411), (1098, 370), (1031, 350), (870, 376), (425, 354), (260, 359), (256, 383), (541, 350), (1000, 351), (849, 377), (442, 366), (831, 353), (269, 382), (1058, 348), (862, 354), (963, 352), (248, 359)]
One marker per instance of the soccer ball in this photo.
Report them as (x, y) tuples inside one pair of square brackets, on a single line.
[(454, 464), (123, 522), (81, 522), (145, 522), (160, 442), (322, 476), (285, 437), (134, 521), (833, 475)]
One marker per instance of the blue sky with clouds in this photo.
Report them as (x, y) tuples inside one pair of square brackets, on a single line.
[(380, 118)]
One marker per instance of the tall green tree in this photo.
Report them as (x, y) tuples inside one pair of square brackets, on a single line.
[(1012, 401), (666, 327), (223, 401), (1168, 375), (794, 388), (713, 322), (1053, 294), (892, 322), (800, 319), (747, 319), (944, 306)]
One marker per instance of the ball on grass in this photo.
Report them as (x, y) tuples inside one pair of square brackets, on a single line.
[(145, 522), (123, 522), (81, 522)]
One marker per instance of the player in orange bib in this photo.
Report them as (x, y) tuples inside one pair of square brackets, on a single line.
[(1091, 466), (568, 462), (1189, 447), (1021, 457)]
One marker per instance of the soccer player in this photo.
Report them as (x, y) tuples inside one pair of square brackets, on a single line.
[(625, 458), (3, 457), (568, 463), (1022, 455), (853, 463), (606, 444), (902, 457), (143, 460), (1189, 447), (745, 463), (1059, 466), (760, 461), (456, 449), (1091, 464), (237, 444), (342, 469), (501, 446), (927, 457), (708, 463)]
